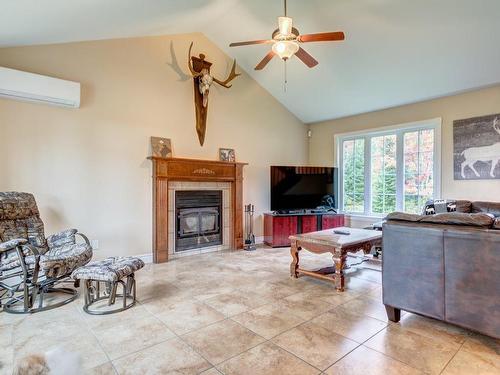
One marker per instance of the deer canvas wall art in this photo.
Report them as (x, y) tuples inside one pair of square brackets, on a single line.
[(476, 148)]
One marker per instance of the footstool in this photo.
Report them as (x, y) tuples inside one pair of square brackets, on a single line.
[(109, 272)]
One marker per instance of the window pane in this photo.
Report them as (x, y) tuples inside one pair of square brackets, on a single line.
[(418, 169), (383, 174), (353, 156), (412, 203), (426, 140)]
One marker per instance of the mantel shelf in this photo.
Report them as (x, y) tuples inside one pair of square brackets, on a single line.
[(200, 161)]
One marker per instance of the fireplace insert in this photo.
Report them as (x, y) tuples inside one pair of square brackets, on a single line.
[(198, 219)]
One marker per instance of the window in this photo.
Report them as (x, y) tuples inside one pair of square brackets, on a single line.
[(390, 169)]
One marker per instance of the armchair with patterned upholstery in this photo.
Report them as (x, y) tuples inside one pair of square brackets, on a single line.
[(30, 264)]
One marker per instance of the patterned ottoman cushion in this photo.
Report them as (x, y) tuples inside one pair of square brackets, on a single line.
[(110, 269)]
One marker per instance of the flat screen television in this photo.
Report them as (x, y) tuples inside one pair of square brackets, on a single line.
[(295, 188)]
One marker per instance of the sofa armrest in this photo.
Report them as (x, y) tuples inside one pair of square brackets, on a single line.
[(412, 267)]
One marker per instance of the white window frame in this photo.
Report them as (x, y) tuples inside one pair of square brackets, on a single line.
[(399, 130)]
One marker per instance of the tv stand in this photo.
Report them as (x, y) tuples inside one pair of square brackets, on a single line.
[(278, 226)]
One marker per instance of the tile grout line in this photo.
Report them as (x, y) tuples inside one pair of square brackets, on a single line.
[(451, 359), (176, 336), (384, 354), (398, 360), (134, 352), (266, 341), (102, 348)]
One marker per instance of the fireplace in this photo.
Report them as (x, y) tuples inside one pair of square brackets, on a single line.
[(175, 175), (198, 219)]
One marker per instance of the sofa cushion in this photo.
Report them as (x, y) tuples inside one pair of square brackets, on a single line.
[(403, 216), (464, 206), (460, 218), (486, 207)]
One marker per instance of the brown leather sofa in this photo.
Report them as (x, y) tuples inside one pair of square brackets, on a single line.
[(445, 266)]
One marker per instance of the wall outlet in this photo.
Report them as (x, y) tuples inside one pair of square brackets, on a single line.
[(94, 244)]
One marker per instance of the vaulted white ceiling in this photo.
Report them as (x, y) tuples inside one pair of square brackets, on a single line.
[(395, 52)]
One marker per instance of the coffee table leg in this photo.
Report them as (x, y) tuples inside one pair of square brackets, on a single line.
[(339, 262), (294, 266)]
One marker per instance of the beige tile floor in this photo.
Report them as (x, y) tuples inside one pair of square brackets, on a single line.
[(241, 313)]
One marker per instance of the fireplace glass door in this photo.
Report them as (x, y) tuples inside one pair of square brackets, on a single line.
[(198, 219)]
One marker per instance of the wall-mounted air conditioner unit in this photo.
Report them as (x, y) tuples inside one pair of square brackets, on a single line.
[(18, 85)]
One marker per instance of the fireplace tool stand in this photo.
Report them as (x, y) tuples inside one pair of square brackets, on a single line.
[(250, 237)]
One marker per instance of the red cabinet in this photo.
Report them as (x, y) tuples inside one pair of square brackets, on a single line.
[(309, 224), (332, 221), (277, 228)]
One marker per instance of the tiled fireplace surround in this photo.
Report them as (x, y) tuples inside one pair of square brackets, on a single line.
[(225, 187)]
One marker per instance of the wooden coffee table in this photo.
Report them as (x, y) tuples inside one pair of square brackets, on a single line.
[(326, 241)]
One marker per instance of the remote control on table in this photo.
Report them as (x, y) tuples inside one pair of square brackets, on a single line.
[(341, 231)]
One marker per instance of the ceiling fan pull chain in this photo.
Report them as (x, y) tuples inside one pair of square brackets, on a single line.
[(286, 81)]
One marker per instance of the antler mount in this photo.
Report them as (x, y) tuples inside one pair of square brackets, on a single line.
[(202, 79)]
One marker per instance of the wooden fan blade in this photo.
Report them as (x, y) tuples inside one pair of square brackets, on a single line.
[(265, 60), (306, 58), (322, 37), (250, 42)]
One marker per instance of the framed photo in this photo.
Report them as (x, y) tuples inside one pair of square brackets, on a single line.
[(476, 148), (161, 147), (227, 154)]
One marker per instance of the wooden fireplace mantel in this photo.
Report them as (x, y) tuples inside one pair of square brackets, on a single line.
[(166, 170)]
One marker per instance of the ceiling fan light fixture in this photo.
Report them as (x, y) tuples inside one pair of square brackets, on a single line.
[(285, 42), (285, 25), (285, 48)]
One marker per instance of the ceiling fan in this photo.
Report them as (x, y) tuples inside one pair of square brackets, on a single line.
[(286, 41)]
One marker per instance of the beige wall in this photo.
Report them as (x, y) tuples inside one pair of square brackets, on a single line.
[(87, 167), (477, 103)]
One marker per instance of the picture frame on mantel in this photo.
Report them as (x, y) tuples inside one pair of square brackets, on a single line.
[(227, 155), (161, 147)]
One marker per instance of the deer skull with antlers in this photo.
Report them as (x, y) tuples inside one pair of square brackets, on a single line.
[(200, 71)]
